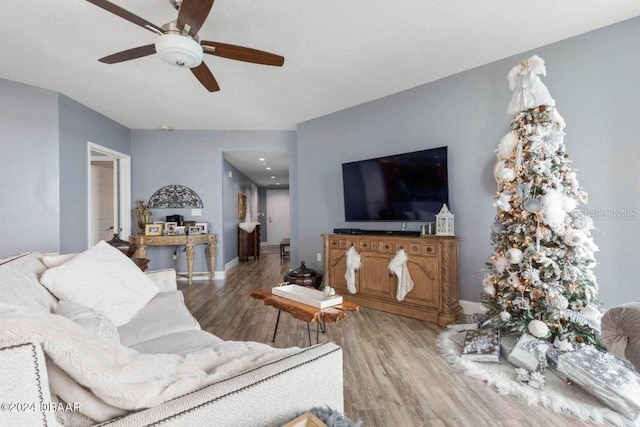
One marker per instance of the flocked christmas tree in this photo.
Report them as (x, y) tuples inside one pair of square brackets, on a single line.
[(540, 277)]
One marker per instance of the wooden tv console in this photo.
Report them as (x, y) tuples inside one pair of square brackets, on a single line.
[(432, 263)]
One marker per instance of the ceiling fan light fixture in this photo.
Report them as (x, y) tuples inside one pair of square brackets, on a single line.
[(179, 50)]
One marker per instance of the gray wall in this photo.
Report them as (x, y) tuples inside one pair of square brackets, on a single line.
[(44, 166), (194, 159), (593, 79), (231, 186), (78, 126), (29, 188)]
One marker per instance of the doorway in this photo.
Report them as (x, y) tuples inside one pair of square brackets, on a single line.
[(104, 184), (109, 197), (278, 225)]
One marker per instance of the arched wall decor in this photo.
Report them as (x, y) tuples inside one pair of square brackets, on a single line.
[(175, 196)]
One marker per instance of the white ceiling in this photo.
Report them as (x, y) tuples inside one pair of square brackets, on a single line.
[(250, 163), (337, 53)]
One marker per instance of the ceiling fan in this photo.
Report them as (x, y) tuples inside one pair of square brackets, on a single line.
[(178, 43)]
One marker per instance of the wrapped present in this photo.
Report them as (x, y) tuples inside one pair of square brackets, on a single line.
[(462, 326), (458, 337), (507, 344), (529, 353), (553, 355), (610, 379), (482, 345)]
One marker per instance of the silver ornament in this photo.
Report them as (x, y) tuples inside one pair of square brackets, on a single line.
[(532, 205), (498, 227)]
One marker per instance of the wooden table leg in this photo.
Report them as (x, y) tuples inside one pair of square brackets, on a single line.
[(190, 256), (212, 260)]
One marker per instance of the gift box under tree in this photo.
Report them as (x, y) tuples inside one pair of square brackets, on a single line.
[(610, 379), (482, 345)]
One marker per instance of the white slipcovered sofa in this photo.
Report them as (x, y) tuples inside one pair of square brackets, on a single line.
[(46, 374)]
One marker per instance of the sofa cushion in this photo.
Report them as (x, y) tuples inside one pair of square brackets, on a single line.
[(104, 279), (183, 342), (55, 260), (164, 314), (165, 279), (20, 283), (89, 319)]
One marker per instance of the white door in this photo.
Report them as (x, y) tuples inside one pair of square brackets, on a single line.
[(103, 186), (278, 226), (108, 194)]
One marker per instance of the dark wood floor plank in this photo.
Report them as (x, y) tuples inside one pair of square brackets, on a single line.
[(393, 373)]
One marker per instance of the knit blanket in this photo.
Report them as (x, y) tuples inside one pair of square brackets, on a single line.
[(123, 377)]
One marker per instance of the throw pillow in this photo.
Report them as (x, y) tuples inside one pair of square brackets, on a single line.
[(89, 319), (104, 279), (55, 260)]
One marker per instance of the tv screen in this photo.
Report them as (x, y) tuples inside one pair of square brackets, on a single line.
[(404, 187)]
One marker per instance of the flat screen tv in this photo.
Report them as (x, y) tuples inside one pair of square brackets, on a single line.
[(403, 187)]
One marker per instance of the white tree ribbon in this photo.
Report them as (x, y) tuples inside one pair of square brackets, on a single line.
[(353, 264), (398, 266)]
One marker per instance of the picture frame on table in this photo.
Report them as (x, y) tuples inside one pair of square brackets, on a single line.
[(170, 228), (181, 230), (204, 226), (194, 229), (153, 229)]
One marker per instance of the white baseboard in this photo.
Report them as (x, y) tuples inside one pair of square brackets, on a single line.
[(231, 263), (471, 307)]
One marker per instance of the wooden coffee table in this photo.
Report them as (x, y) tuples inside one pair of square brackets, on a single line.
[(304, 312)]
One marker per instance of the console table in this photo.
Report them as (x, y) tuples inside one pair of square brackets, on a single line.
[(140, 241)]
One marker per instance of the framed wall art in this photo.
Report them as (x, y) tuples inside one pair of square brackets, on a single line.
[(242, 206)]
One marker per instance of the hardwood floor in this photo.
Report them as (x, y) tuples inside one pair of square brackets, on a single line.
[(393, 373)]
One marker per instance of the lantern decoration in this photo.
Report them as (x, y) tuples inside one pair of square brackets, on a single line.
[(444, 222)]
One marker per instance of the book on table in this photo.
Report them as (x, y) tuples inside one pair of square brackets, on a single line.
[(308, 296)]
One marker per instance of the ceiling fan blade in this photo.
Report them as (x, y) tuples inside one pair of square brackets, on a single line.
[(241, 53), (205, 76), (126, 55), (125, 14), (193, 13)]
